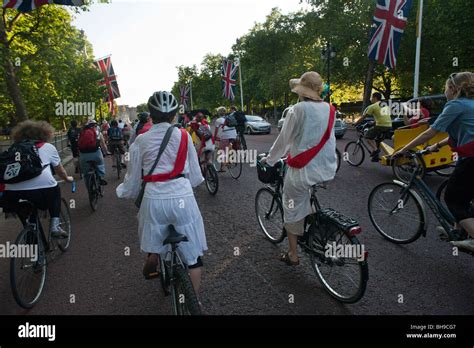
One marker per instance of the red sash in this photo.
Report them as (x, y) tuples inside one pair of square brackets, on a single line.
[(466, 150), (178, 165), (305, 157)]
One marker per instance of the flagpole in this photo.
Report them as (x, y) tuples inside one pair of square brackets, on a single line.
[(416, 86), (191, 92), (241, 88)]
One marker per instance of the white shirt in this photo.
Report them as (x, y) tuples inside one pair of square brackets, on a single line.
[(49, 156), (143, 154), (225, 132), (304, 126), (121, 125)]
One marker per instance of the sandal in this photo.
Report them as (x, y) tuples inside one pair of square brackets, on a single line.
[(286, 259), (150, 270)]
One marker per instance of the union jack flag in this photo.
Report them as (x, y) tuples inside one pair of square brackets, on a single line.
[(109, 81), (390, 19), (30, 5), (228, 71), (184, 97)]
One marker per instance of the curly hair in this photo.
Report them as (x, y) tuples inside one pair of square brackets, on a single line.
[(463, 84), (32, 130)]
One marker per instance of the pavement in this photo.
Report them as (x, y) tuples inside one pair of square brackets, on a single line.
[(101, 273)]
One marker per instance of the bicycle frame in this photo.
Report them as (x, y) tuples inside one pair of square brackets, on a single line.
[(37, 227)]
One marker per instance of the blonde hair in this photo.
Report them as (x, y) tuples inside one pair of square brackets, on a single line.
[(32, 130), (463, 84), (221, 110)]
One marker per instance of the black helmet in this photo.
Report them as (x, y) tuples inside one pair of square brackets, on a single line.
[(143, 117)]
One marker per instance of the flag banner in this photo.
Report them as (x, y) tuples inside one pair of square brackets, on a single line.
[(109, 80), (30, 5), (389, 22), (229, 69), (184, 96)]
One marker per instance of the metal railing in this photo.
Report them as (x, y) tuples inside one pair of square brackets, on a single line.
[(59, 141)]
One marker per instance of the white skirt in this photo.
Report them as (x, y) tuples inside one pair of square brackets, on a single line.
[(157, 214)]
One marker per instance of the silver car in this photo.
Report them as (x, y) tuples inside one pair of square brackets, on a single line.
[(340, 128), (256, 124)]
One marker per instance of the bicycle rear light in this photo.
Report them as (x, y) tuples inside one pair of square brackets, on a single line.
[(355, 230)]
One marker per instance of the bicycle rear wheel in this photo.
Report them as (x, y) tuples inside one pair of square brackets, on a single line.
[(93, 192), (184, 297), (338, 155), (403, 168), (396, 213), (27, 275), (344, 272), (212, 179), (446, 171), (270, 215), (118, 163), (355, 153)]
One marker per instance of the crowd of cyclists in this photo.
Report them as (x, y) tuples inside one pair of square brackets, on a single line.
[(169, 175)]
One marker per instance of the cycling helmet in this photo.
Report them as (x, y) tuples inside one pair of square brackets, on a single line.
[(143, 117), (163, 102)]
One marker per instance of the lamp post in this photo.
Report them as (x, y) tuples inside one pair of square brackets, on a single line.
[(237, 61), (328, 53)]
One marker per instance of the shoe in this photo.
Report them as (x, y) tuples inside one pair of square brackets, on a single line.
[(59, 234), (103, 182), (467, 244)]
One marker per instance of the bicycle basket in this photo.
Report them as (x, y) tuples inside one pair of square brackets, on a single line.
[(268, 174)]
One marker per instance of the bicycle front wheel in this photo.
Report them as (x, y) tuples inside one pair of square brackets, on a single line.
[(344, 270), (396, 213), (65, 224), (212, 179), (270, 215), (184, 297), (118, 163), (235, 169), (338, 155), (28, 274), (354, 153)]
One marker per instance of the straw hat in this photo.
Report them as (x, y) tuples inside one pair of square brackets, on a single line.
[(310, 85)]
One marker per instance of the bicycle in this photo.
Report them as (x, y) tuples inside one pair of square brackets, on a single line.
[(324, 229), (235, 167), (339, 159), (117, 159), (28, 276), (404, 204), (94, 188), (241, 140), (175, 279), (354, 150)]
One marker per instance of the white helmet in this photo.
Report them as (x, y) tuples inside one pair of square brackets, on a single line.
[(164, 102)]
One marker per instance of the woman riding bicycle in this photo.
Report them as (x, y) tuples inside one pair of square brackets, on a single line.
[(169, 197), (43, 191), (307, 124), (457, 119)]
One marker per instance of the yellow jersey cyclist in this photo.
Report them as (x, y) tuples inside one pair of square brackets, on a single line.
[(383, 123)]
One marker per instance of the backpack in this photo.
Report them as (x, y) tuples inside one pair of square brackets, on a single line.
[(88, 140), (230, 120), (240, 118), (21, 162), (115, 133), (204, 132)]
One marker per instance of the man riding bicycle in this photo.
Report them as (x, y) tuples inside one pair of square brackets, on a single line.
[(383, 124), (116, 141)]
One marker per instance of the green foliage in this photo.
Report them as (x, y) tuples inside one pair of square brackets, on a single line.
[(53, 62)]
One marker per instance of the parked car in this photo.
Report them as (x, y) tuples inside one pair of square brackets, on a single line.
[(340, 128), (256, 124)]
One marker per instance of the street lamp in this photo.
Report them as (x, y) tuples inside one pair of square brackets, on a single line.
[(329, 53)]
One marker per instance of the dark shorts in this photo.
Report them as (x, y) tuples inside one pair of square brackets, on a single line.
[(377, 132), (114, 144), (43, 199), (460, 190), (197, 264)]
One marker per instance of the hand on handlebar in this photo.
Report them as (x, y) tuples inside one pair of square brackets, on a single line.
[(70, 179)]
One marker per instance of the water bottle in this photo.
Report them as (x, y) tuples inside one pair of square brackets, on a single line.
[(73, 187)]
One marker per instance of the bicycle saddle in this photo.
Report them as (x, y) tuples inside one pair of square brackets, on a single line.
[(174, 237)]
